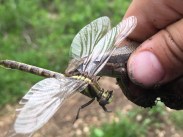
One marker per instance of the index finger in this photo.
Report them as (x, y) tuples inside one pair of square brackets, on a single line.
[(153, 16)]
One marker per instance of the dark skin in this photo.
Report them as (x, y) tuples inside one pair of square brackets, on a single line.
[(159, 59)]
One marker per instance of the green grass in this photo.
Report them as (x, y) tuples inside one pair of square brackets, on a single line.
[(177, 118), (136, 123), (126, 127), (40, 33), (141, 123)]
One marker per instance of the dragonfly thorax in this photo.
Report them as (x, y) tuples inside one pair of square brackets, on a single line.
[(103, 96)]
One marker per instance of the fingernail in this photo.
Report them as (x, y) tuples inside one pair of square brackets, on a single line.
[(145, 69)]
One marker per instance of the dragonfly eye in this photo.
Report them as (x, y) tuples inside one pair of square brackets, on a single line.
[(103, 102)]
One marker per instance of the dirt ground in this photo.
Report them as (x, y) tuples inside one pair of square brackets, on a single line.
[(61, 125)]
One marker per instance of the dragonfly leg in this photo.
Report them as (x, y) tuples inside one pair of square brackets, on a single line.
[(83, 106), (98, 78), (105, 109)]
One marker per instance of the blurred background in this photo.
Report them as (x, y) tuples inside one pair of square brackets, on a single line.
[(40, 33)]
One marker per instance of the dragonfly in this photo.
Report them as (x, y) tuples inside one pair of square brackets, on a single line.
[(90, 50)]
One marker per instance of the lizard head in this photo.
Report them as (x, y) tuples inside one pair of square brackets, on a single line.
[(73, 67)]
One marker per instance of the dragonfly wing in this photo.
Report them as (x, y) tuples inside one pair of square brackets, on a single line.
[(84, 42), (105, 47), (41, 102)]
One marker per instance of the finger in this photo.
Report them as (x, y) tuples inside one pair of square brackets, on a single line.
[(159, 59), (153, 15)]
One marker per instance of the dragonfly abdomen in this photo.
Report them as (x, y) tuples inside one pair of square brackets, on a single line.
[(87, 80), (28, 68)]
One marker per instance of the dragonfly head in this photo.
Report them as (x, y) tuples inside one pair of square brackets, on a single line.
[(106, 98), (73, 67)]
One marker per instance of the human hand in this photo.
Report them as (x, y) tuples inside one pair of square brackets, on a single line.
[(159, 59)]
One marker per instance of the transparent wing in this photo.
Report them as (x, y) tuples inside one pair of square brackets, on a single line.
[(41, 102), (105, 47), (88, 37)]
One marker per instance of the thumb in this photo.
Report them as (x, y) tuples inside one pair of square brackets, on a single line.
[(160, 58)]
